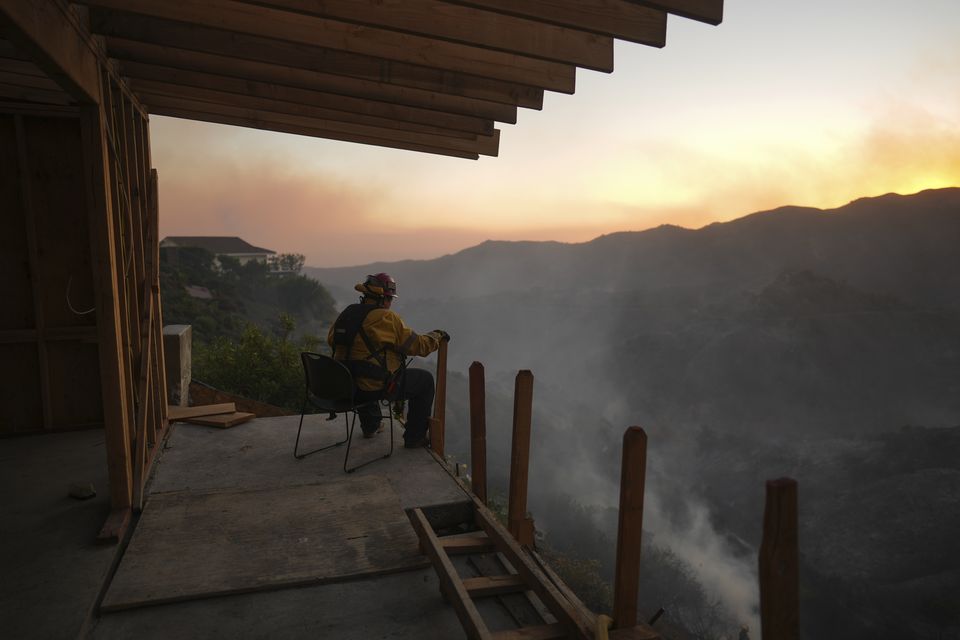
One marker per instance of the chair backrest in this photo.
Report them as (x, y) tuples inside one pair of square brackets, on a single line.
[(329, 383)]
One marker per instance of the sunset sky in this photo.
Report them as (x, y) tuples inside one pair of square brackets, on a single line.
[(809, 103)]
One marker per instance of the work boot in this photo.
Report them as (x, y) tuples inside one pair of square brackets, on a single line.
[(370, 428)]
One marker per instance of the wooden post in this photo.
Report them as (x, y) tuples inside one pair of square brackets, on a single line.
[(438, 425), (478, 431), (779, 563), (520, 526), (113, 364), (633, 471)]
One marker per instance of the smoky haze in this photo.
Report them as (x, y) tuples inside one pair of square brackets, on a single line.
[(820, 345)]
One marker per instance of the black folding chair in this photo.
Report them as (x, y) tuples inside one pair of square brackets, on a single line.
[(329, 387)]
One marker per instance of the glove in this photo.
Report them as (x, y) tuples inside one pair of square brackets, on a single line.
[(441, 334)]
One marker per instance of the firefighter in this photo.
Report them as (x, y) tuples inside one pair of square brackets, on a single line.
[(374, 343)]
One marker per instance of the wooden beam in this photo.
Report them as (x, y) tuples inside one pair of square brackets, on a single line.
[(31, 94), (240, 17), (312, 59), (633, 470), (474, 543), (256, 118), (780, 563), (467, 25), (478, 432), (709, 11), (210, 88), (553, 631), (519, 524), (615, 18), (103, 253), (162, 56), (439, 425), (49, 33), (313, 133), (450, 584), (487, 586)]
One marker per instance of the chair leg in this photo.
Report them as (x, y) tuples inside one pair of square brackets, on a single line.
[(301, 456), (350, 440)]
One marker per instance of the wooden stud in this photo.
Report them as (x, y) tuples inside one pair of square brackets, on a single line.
[(143, 408), (519, 524), (616, 18), (633, 470), (26, 198), (445, 22), (162, 95), (779, 563), (709, 11), (478, 432), (113, 368), (440, 401), (316, 133), (150, 55), (473, 543), (297, 28), (487, 586), (273, 97)]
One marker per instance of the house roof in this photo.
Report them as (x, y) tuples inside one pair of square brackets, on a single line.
[(425, 75), (217, 245)]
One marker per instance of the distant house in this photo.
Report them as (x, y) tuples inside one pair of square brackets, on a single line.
[(220, 246)]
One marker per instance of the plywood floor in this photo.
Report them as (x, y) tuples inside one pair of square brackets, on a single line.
[(192, 545)]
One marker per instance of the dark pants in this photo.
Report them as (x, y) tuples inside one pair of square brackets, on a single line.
[(416, 388)]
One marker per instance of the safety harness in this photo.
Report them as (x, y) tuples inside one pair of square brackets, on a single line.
[(374, 367)]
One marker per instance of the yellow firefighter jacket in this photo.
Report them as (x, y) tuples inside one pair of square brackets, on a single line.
[(388, 331)]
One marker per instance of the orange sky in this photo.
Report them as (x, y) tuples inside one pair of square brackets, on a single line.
[(814, 104)]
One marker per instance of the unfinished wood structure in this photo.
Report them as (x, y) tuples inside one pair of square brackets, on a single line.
[(81, 323)]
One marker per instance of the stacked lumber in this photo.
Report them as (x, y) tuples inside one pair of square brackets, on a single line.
[(223, 415)]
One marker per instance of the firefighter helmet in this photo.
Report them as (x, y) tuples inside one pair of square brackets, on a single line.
[(380, 285)]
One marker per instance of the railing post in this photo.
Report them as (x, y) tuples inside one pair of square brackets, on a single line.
[(779, 563), (520, 526), (438, 424), (478, 431), (633, 471)]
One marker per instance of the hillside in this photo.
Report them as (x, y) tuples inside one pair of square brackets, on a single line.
[(789, 342)]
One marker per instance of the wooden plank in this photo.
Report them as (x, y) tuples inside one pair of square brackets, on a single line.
[(105, 269), (297, 28), (30, 94), (485, 145), (616, 18), (154, 207), (315, 133), (519, 524), (540, 632), (223, 420), (487, 586), (438, 427), (75, 384), (780, 563), (312, 59), (450, 584), (467, 25), (709, 11), (29, 214), (478, 432), (626, 586), (225, 90), (155, 55), (49, 33), (35, 82), (190, 545), (565, 611), (143, 412), (181, 413), (473, 543), (116, 525)]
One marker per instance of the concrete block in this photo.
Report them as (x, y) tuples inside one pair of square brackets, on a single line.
[(177, 354)]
